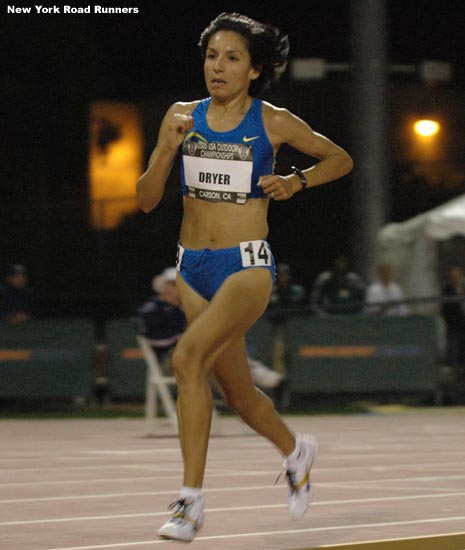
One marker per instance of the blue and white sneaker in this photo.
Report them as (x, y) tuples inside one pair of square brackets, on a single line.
[(186, 520)]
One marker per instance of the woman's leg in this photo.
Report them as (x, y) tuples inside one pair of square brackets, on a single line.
[(239, 302), (232, 372), (193, 305)]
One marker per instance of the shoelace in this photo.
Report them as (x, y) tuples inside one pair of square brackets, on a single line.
[(180, 505), (291, 480), (181, 513), (290, 476)]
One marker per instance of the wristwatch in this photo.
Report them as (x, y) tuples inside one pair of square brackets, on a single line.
[(303, 179)]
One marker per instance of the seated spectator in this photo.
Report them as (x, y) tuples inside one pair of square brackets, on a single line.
[(382, 292), (453, 313), (338, 290), (162, 321), (16, 296)]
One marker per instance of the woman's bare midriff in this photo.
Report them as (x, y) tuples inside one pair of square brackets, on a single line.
[(222, 225)]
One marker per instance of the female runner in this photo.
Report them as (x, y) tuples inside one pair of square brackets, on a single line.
[(228, 143)]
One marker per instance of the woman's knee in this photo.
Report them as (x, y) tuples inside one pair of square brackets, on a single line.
[(186, 365)]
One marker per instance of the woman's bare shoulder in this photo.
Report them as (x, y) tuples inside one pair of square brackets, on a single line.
[(184, 107), (275, 115), (276, 121)]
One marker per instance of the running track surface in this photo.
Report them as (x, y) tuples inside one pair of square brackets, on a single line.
[(102, 484)]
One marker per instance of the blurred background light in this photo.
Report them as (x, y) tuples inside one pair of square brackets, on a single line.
[(115, 161), (435, 71), (309, 68), (426, 128)]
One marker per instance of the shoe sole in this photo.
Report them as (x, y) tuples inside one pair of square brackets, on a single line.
[(167, 537), (179, 539), (315, 454)]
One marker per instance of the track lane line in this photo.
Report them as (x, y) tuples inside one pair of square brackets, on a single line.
[(271, 533), (235, 508)]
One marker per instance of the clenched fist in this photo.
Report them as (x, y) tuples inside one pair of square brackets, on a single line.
[(177, 128)]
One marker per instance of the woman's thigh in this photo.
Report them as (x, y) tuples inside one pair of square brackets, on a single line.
[(213, 326)]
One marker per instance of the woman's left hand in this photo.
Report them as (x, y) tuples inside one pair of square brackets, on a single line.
[(279, 188)]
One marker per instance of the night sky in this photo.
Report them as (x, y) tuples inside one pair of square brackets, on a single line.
[(135, 54), (54, 65)]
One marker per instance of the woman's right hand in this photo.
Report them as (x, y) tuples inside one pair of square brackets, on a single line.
[(177, 127), (176, 123)]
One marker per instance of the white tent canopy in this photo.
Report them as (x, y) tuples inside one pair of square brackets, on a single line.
[(411, 247)]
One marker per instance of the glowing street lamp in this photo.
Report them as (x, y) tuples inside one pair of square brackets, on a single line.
[(426, 128), (425, 138)]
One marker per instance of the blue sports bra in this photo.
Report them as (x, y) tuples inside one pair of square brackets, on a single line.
[(225, 166)]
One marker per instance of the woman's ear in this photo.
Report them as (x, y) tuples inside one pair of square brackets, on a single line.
[(255, 72)]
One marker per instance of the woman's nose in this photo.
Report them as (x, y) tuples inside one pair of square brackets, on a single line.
[(219, 65)]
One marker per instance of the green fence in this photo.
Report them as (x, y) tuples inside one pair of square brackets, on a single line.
[(362, 354), (347, 354), (126, 365), (127, 368), (47, 358)]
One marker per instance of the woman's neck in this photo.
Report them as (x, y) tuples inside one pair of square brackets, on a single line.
[(231, 106), (224, 115)]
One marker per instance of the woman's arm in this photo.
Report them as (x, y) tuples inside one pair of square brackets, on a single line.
[(150, 186), (285, 127)]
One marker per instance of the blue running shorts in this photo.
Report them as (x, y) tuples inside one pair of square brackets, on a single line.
[(205, 270)]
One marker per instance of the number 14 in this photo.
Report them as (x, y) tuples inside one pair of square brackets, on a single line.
[(257, 257)]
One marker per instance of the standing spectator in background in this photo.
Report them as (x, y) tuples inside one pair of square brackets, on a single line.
[(453, 313), (16, 296), (382, 292), (338, 291)]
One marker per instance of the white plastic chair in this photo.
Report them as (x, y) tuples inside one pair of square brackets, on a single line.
[(157, 385)]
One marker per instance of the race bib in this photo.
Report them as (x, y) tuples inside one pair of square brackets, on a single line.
[(216, 171), (255, 253)]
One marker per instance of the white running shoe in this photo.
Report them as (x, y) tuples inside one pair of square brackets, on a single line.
[(186, 520), (300, 487)]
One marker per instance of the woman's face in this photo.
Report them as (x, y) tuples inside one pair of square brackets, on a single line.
[(227, 68)]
